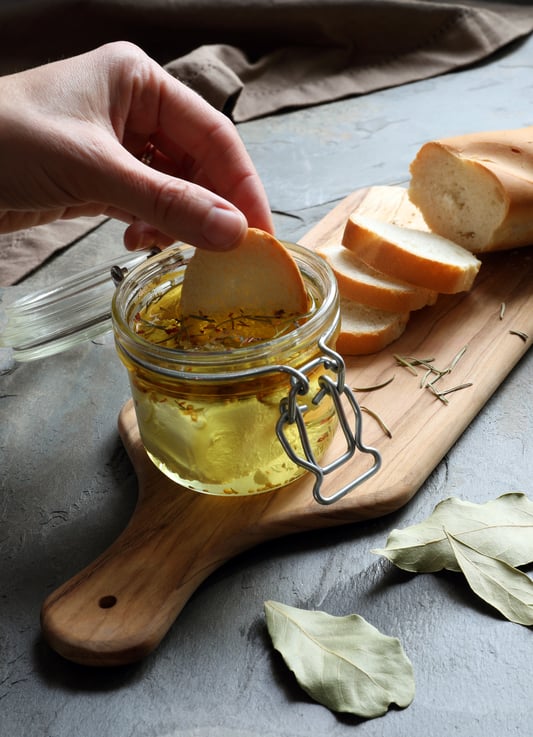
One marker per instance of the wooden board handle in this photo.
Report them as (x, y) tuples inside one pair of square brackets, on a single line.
[(118, 608)]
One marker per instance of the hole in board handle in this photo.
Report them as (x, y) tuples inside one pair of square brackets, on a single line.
[(107, 602)]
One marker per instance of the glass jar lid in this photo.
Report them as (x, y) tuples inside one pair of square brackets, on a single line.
[(71, 311)]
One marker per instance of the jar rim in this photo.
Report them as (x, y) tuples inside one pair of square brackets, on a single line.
[(317, 275)]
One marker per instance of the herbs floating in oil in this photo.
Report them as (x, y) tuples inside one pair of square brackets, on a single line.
[(160, 322)]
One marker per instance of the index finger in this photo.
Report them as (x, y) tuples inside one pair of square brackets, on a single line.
[(189, 125)]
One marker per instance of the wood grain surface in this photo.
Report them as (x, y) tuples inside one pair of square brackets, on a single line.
[(119, 608)]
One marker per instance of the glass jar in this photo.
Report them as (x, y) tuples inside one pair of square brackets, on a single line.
[(240, 421)]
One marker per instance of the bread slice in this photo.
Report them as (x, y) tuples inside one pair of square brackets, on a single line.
[(392, 204), (366, 330), (260, 275), (477, 189), (418, 257), (364, 284)]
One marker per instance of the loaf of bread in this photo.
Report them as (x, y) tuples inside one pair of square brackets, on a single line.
[(418, 257), (366, 329), (477, 189), (362, 283)]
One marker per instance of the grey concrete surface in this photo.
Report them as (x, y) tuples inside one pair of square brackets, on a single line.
[(67, 489)]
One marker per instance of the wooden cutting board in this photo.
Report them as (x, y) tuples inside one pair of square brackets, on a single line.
[(119, 608)]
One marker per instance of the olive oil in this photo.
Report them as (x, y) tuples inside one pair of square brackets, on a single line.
[(222, 443)]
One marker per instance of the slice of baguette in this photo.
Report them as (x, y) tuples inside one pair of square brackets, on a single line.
[(418, 257), (390, 203), (362, 283), (366, 330), (477, 189), (259, 275)]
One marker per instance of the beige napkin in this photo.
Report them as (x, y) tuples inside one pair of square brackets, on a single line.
[(402, 42), (252, 58)]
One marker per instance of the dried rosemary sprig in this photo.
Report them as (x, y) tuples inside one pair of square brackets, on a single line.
[(521, 334), (406, 363), (442, 394), (433, 374), (378, 419), (372, 388)]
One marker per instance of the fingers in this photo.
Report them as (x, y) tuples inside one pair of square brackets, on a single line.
[(201, 142), (220, 229), (201, 186), (217, 157), (165, 208), (139, 236), (218, 151)]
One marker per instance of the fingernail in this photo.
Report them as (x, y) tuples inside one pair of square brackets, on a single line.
[(223, 228)]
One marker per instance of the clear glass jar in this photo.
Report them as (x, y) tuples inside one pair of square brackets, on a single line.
[(210, 420)]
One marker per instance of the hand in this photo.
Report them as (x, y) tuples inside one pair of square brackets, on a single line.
[(72, 135)]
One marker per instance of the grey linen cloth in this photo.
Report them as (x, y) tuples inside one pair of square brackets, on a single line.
[(252, 58)]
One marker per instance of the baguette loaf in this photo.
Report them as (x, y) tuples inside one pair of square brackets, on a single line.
[(418, 257), (362, 283), (366, 330), (477, 189)]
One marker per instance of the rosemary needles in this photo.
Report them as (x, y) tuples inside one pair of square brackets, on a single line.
[(432, 375), (520, 333)]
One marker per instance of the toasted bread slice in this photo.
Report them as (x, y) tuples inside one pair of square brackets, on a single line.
[(366, 329), (364, 284), (260, 275), (415, 256)]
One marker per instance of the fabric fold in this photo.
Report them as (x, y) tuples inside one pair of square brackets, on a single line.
[(293, 77)]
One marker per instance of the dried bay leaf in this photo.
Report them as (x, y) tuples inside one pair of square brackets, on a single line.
[(501, 528), (504, 587), (344, 663)]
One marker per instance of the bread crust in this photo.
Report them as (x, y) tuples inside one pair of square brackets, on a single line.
[(388, 248), (362, 283)]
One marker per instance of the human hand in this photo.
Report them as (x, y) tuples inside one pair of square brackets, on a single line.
[(72, 135)]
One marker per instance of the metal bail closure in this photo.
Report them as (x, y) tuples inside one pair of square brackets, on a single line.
[(291, 412)]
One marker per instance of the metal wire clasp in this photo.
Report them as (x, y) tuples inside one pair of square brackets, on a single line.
[(291, 412)]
